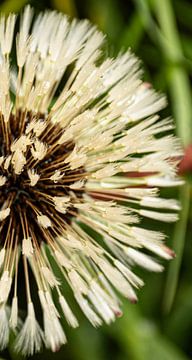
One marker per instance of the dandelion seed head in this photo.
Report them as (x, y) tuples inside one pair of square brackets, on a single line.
[(87, 159)]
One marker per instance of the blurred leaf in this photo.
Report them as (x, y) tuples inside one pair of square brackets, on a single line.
[(13, 354), (142, 340), (179, 324), (65, 6), (184, 11), (133, 33), (187, 49), (12, 6), (106, 14)]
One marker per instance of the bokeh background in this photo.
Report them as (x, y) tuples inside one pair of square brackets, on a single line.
[(159, 327)]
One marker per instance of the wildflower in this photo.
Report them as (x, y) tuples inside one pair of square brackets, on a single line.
[(64, 196)]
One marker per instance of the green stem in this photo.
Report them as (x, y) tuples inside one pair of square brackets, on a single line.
[(178, 245), (181, 96), (178, 78)]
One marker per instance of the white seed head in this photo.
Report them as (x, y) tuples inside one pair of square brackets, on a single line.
[(92, 155)]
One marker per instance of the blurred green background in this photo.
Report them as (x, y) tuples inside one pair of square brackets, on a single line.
[(159, 327)]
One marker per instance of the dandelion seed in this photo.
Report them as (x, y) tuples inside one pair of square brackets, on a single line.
[(77, 162), (44, 221), (4, 214), (2, 180), (33, 177), (27, 247)]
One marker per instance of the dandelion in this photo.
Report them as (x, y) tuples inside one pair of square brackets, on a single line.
[(82, 159)]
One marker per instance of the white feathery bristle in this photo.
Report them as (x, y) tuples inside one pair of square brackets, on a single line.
[(100, 304), (29, 340), (36, 126), (164, 181), (70, 317), (5, 286), (76, 159), (160, 250), (33, 176), (108, 170), (77, 185), (51, 304), (56, 176), (49, 276), (87, 310), (107, 294), (7, 162), (160, 203), (143, 260), (23, 37), (4, 213), (27, 247), (14, 313), (2, 256), (118, 280), (4, 327), (44, 221), (61, 203), (77, 282), (54, 334), (38, 150), (131, 277), (63, 260), (166, 217), (2, 158), (6, 33), (18, 161), (21, 143), (2, 180)]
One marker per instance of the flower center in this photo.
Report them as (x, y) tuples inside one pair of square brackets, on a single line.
[(37, 185)]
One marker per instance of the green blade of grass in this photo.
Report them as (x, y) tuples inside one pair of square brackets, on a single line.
[(180, 91), (178, 245), (177, 76)]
